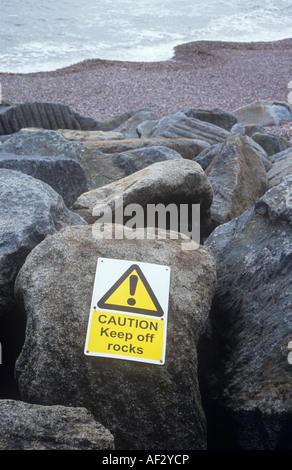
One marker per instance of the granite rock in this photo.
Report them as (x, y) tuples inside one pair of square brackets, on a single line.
[(215, 116), (26, 426), (247, 374), (135, 160), (174, 182), (281, 169), (14, 117), (30, 210), (238, 179), (42, 143), (271, 143), (179, 125), (53, 116), (263, 113), (144, 406), (65, 175)]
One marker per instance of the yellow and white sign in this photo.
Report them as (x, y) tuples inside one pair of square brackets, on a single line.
[(129, 310)]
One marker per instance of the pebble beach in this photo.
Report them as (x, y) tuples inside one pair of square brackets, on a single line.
[(205, 74)]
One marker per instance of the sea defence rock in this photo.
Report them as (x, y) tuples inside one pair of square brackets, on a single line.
[(242, 351), (65, 175), (30, 210), (102, 169), (215, 116), (144, 129), (171, 183), (271, 143), (206, 157), (129, 127), (106, 168), (238, 179), (14, 117), (179, 125), (240, 129), (281, 169), (116, 123), (102, 161), (42, 143), (251, 129), (263, 113), (99, 169), (136, 160), (44, 115), (27, 426), (144, 406), (247, 375)]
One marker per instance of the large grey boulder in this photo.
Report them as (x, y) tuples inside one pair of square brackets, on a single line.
[(215, 116), (16, 116), (26, 426), (263, 113), (247, 375), (179, 125), (174, 182), (65, 175), (144, 406), (42, 143), (30, 210), (207, 156), (261, 150), (271, 143), (135, 160), (238, 178)]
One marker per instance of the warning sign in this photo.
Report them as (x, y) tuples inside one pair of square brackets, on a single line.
[(129, 309), (132, 293)]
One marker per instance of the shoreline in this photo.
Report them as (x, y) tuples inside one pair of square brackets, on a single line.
[(181, 52), (204, 74)]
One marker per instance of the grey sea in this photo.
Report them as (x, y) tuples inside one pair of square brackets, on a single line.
[(41, 35)]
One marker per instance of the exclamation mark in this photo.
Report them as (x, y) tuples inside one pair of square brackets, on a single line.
[(133, 285)]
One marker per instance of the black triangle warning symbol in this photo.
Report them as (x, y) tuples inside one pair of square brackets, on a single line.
[(132, 293)]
